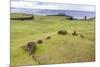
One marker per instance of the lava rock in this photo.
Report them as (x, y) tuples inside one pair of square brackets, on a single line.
[(48, 37), (74, 33), (62, 32), (31, 47), (40, 41), (82, 36)]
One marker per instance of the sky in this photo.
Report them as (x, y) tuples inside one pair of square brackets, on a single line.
[(50, 4), (90, 2)]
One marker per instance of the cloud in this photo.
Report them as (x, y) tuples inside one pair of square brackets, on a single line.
[(89, 2), (51, 5), (21, 4)]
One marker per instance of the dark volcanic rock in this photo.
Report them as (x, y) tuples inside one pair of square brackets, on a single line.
[(74, 33), (48, 37), (62, 32), (31, 47), (40, 41), (82, 36)]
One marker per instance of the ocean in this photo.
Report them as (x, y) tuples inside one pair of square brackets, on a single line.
[(75, 14)]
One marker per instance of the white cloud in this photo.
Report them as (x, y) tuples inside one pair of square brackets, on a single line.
[(43, 5), (21, 4), (89, 2)]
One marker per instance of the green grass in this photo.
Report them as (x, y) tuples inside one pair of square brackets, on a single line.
[(58, 49)]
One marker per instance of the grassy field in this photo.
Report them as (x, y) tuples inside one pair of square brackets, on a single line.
[(58, 49)]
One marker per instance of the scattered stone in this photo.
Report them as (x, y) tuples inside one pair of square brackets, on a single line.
[(40, 41), (31, 47), (74, 33), (34, 58), (82, 36), (48, 37), (24, 47), (62, 32), (71, 18)]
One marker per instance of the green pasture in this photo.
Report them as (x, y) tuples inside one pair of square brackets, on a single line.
[(58, 49)]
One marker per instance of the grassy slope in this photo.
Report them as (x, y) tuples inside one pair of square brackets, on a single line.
[(59, 49)]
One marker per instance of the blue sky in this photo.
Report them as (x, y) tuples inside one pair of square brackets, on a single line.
[(43, 4)]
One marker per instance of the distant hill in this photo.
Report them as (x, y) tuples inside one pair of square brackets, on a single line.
[(19, 15)]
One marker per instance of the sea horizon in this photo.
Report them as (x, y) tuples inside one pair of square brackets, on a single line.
[(73, 13), (48, 8)]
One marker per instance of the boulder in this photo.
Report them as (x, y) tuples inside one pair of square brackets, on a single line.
[(62, 32), (31, 47), (40, 41)]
